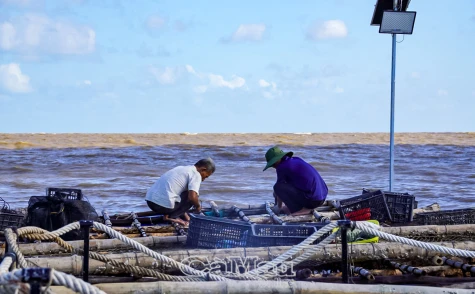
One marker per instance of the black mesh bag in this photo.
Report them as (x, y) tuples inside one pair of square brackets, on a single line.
[(54, 211)]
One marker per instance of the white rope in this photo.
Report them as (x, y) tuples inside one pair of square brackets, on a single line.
[(5, 265), (59, 278), (371, 230), (291, 252), (61, 231), (9, 289), (11, 241), (184, 268), (307, 255), (74, 283), (260, 272)]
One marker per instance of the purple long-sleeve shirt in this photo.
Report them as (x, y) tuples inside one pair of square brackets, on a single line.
[(303, 176)]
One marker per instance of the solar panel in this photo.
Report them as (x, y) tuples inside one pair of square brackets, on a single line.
[(398, 22), (382, 5)]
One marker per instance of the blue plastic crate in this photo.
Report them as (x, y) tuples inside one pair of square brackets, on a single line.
[(214, 232)]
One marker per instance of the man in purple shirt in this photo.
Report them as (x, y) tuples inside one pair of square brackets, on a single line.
[(299, 185)]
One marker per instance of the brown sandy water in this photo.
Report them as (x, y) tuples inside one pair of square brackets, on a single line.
[(77, 140), (115, 170)]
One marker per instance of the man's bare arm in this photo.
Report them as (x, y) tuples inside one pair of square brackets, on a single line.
[(193, 198)]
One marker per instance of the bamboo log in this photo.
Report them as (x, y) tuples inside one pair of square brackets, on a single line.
[(258, 287), (401, 279), (157, 241), (386, 272), (428, 208), (434, 230), (165, 228), (45, 248), (103, 280), (132, 236), (332, 253), (447, 270), (462, 285)]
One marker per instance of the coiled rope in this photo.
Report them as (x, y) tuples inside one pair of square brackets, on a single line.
[(34, 233)]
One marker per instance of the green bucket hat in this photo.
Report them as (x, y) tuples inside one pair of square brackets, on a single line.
[(274, 154)]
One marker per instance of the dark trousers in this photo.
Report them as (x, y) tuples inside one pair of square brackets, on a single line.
[(294, 198), (178, 210)]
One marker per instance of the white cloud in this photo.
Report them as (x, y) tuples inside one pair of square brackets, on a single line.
[(442, 92), (170, 75), (415, 75), (34, 33), (190, 69), (13, 80), (155, 22), (219, 81), (327, 30), (264, 83), (215, 80), (339, 90), (166, 76), (248, 32), (271, 89), (85, 83)]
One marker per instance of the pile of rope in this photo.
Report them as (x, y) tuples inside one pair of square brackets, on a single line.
[(263, 272)]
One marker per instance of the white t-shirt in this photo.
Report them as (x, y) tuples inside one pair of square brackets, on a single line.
[(167, 189)]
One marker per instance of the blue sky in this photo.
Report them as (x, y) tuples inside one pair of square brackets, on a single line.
[(164, 66)]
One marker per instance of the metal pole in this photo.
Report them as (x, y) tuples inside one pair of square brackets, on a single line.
[(85, 227), (393, 88), (345, 268)]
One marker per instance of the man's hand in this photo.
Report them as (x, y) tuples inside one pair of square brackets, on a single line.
[(197, 209)]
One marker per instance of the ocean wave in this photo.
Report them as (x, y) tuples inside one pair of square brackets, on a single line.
[(118, 178), (23, 185), (130, 141), (231, 154), (92, 185), (21, 144), (21, 169)]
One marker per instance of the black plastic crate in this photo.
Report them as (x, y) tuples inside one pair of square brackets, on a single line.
[(213, 232), (279, 235), (401, 205), (65, 193), (447, 217), (371, 205), (10, 218)]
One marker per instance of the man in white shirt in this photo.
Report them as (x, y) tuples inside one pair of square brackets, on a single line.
[(176, 191)]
